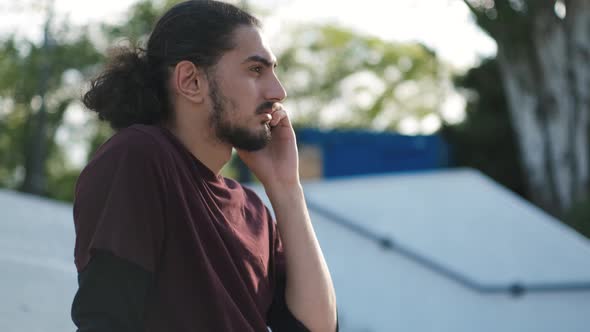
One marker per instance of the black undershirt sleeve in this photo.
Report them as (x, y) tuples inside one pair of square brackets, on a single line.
[(111, 296), (280, 318), (113, 291)]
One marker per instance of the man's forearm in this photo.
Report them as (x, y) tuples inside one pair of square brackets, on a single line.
[(309, 291)]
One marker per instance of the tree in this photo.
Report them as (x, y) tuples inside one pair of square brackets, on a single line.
[(337, 77), (543, 52), (37, 85), (486, 140)]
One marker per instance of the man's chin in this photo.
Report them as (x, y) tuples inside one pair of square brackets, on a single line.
[(252, 142), (251, 146)]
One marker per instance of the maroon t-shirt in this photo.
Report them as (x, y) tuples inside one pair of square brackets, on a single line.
[(211, 244)]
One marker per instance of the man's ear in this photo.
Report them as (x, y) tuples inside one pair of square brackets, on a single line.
[(189, 81)]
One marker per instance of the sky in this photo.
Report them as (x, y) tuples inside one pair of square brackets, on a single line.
[(445, 26)]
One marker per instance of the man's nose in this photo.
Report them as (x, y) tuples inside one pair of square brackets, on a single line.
[(275, 90)]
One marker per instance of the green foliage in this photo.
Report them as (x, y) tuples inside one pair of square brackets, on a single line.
[(486, 139), (12, 138), (69, 56), (61, 180), (142, 17), (378, 82), (102, 133)]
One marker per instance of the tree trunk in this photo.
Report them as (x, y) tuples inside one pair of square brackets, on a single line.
[(547, 84), (36, 141)]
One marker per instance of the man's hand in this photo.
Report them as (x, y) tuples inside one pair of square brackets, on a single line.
[(309, 292), (276, 165)]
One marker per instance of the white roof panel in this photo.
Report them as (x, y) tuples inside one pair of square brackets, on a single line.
[(382, 291), (36, 264), (463, 220)]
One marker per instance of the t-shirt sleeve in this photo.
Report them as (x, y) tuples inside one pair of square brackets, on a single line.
[(119, 202)]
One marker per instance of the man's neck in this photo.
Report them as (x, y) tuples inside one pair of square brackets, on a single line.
[(203, 144)]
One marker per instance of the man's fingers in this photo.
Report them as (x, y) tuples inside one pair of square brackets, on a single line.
[(277, 106), (277, 117)]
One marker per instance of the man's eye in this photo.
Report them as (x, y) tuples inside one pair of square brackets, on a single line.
[(256, 69)]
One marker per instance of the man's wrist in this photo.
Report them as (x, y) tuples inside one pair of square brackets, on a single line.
[(281, 192)]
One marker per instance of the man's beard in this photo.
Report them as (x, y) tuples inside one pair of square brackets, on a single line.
[(239, 137)]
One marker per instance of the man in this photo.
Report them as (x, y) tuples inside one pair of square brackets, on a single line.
[(163, 242)]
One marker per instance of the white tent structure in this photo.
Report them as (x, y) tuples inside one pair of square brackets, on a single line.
[(37, 273), (448, 251), (435, 251)]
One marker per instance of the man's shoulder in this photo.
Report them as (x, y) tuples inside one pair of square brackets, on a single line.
[(137, 140), (139, 148)]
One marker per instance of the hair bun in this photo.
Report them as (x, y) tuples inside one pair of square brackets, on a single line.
[(125, 93)]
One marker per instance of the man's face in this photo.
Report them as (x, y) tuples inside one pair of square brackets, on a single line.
[(243, 88)]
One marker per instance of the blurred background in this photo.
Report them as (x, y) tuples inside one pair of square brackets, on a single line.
[(473, 110)]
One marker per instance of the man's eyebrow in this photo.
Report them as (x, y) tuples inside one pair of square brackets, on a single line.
[(257, 58)]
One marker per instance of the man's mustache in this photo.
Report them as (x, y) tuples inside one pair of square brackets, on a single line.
[(265, 107)]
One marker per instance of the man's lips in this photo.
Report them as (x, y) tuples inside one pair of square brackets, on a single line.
[(267, 107)]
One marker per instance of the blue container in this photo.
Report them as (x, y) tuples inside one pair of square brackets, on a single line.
[(354, 152)]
